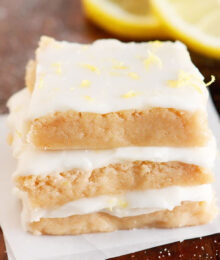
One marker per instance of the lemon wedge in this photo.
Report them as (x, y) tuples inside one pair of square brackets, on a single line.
[(195, 22), (130, 19)]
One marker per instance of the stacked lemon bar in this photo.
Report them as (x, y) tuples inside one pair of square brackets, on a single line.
[(112, 136)]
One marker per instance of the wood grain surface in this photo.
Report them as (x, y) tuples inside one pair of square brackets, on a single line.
[(22, 22)]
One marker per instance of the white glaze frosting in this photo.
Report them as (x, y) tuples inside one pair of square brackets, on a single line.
[(32, 161), (18, 106), (109, 76), (39, 162), (129, 204)]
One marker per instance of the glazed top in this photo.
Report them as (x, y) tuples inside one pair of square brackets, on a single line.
[(108, 76)]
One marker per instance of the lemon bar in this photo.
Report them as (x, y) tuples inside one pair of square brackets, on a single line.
[(112, 136), (111, 94), (83, 191)]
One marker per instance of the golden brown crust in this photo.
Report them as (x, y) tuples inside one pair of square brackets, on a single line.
[(151, 127), (56, 190), (188, 214)]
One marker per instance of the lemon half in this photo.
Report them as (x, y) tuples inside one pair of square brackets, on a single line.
[(195, 22), (131, 19)]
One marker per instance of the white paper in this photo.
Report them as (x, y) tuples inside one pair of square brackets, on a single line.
[(24, 246)]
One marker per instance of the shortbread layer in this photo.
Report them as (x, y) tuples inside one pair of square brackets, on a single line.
[(57, 189), (152, 127), (188, 214), (85, 130)]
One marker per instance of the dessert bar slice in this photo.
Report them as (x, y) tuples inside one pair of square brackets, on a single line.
[(111, 94)]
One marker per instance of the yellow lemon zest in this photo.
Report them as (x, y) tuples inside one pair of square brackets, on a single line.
[(130, 94), (41, 82), (85, 83), (211, 81), (152, 59), (57, 66), (119, 65), (91, 68), (197, 87), (88, 98), (122, 203), (111, 203), (184, 79), (72, 88), (156, 44), (133, 75), (18, 133)]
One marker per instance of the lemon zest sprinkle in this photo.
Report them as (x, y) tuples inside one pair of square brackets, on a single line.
[(211, 81), (18, 133), (152, 59), (57, 66), (130, 94), (85, 83), (72, 88), (119, 65), (156, 43), (41, 82), (111, 203), (91, 68), (133, 75), (122, 203), (88, 98), (184, 79)]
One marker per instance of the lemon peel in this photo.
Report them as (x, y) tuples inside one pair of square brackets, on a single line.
[(41, 82), (57, 67), (91, 68), (133, 75), (88, 98), (85, 83), (211, 81), (151, 60), (130, 94), (185, 78)]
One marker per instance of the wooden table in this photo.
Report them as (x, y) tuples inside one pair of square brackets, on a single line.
[(21, 24)]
